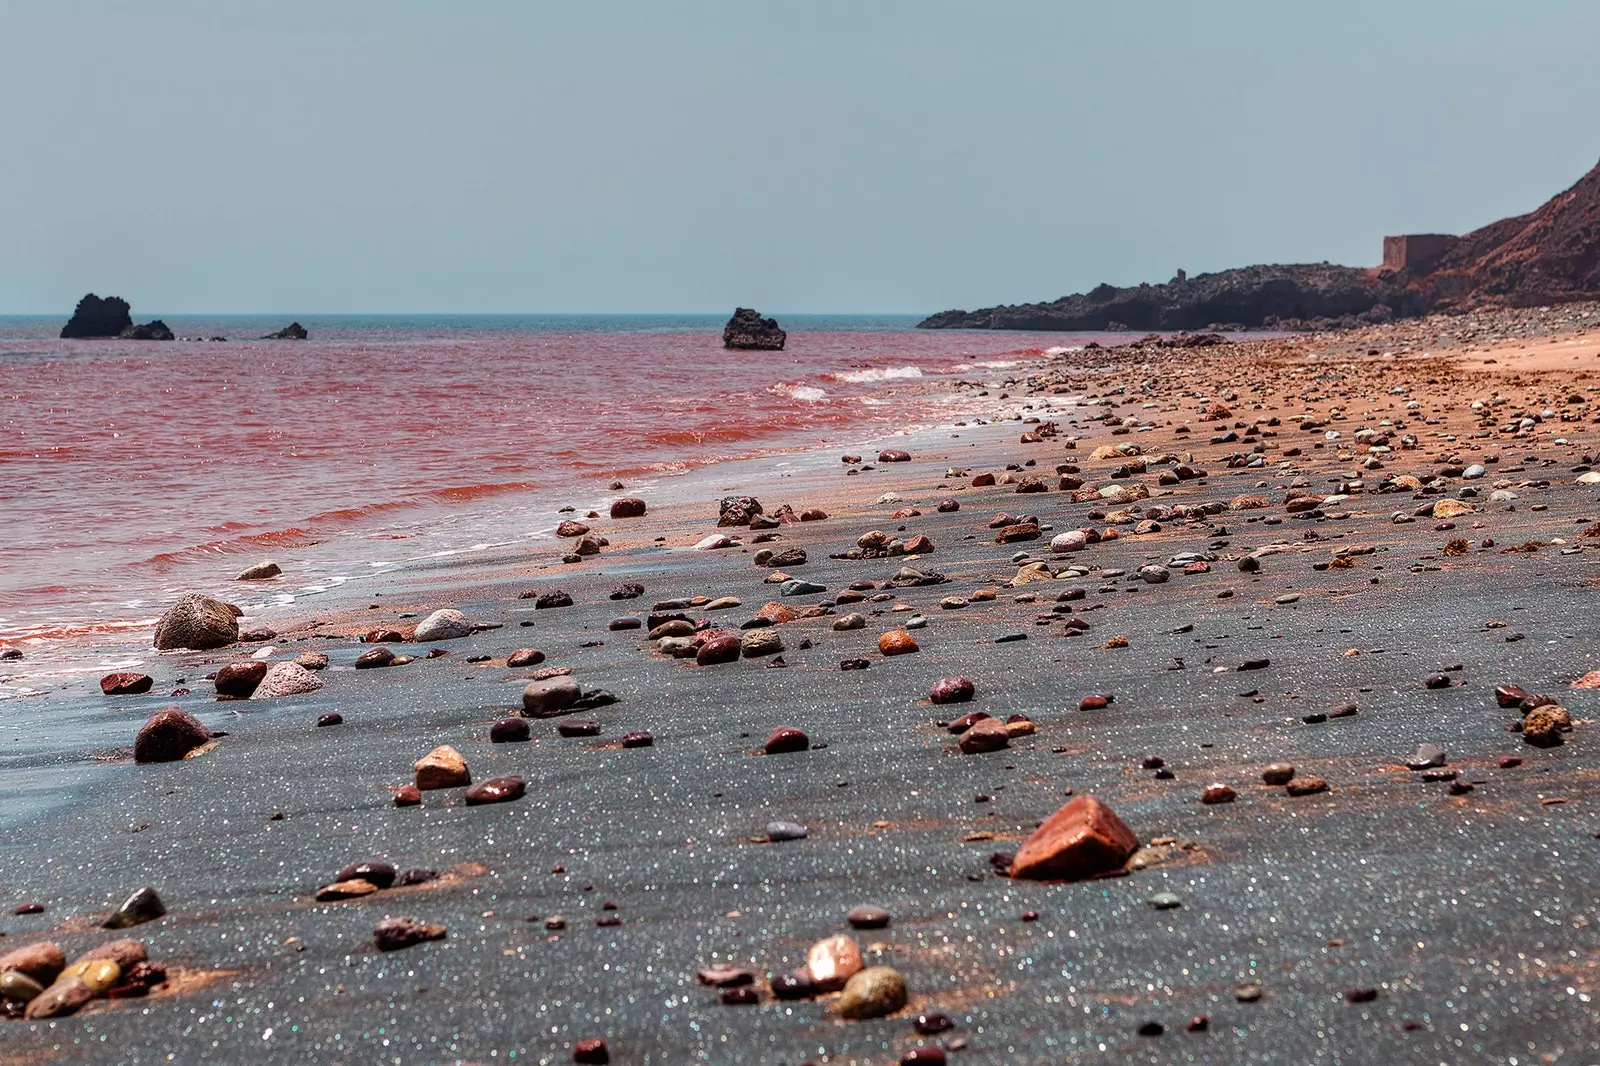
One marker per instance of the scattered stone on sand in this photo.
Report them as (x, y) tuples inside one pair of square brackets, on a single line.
[(407, 796), (1278, 773), (286, 679), (874, 992), (143, 906), (551, 697), (896, 642), (951, 690), (524, 657), (496, 790), (510, 731), (1542, 726), (444, 624), (1082, 839), (781, 832), (169, 735), (197, 622), (986, 735), (346, 888), (396, 934), (867, 916), (758, 642), (847, 622), (1426, 757), (126, 683), (375, 659), (1218, 793), (443, 767), (833, 960), (1306, 786), (41, 961), (240, 680), (627, 507), (786, 739), (259, 572)]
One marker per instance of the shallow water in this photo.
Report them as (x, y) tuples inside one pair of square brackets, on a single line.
[(130, 469)]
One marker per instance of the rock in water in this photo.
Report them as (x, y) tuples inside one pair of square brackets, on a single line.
[(1080, 840), (143, 906), (198, 622), (447, 624), (168, 736), (294, 331), (95, 317), (748, 331), (259, 572), (154, 330), (875, 992)]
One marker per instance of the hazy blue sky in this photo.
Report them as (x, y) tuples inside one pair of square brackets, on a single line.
[(861, 155)]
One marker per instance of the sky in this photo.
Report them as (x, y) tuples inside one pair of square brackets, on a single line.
[(847, 156)]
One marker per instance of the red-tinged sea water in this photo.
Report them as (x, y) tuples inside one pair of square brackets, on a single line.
[(131, 471)]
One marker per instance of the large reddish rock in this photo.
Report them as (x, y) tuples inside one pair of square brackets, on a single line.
[(1082, 839), (627, 507), (240, 679), (168, 736), (198, 622)]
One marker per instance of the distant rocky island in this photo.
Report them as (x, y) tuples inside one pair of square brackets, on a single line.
[(112, 317), (1551, 255)]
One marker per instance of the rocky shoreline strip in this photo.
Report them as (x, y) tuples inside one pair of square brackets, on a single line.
[(1225, 712)]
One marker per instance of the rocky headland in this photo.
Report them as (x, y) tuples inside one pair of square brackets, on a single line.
[(1551, 255)]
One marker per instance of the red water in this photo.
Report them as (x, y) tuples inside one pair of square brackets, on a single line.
[(128, 468)]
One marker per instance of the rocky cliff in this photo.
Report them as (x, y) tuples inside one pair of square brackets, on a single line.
[(95, 317), (1551, 255)]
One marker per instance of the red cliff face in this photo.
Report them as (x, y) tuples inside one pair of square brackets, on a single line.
[(1551, 255)]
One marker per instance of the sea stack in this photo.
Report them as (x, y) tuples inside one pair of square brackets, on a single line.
[(154, 330), (748, 331), (95, 317), (294, 331)]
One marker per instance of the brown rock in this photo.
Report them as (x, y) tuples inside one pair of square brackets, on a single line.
[(169, 735), (125, 952), (833, 961), (126, 684), (1306, 786), (1080, 840), (1218, 793), (592, 1051), (896, 642), (524, 657), (550, 697), (569, 528), (986, 734), (443, 767), (354, 888), (396, 934), (894, 455), (721, 648), (66, 996), (951, 690), (197, 622), (1279, 773), (627, 507), (41, 961), (1542, 727), (496, 790), (786, 739), (874, 992), (374, 659), (982, 481), (407, 796), (240, 679)]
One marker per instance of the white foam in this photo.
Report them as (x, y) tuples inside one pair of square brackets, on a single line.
[(887, 373), (803, 393)]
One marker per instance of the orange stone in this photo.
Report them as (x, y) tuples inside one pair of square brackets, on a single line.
[(896, 642), (778, 612), (1080, 840), (1589, 680)]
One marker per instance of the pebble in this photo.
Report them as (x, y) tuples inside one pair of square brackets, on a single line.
[(550, 697), (445, 624), (496, 790), (375, 871), (239, 680), (592, 1051), (1165, 901), (867, 916), (169, 735), (1278, 773), (286, 679), (896, 642), (510, 731), (925, 1056), (1542, 726), (985, 735), (577, 727), (396, 934), (372, 659), (354, 888), (524, 657), (443, 767), (1082, 839), (779, 832), (330, 719), (1248, 993), (951, 690), (758, 642), (786, 739), (143, 906), (790, 986), (850, 621), (1218, 793), (639, 738), (1426, 757), (1306, 786), (42, 961), (126, 684), (932, 1023), (873, 993), (721, 648), (832, 961)]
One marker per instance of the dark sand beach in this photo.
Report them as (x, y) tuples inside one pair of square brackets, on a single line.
[(1440, 915)]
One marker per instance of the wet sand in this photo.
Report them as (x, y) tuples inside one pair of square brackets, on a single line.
[(1471, 916)]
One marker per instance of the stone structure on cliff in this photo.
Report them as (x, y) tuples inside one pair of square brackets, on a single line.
[(95, 317), (748, 331)]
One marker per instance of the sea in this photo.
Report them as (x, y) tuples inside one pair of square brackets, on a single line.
[(134, 471)]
